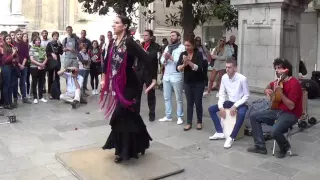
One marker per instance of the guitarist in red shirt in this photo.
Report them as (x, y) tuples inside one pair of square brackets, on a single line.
[(288, 111)]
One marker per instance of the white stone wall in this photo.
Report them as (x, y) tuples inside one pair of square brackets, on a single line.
[(309, 40)]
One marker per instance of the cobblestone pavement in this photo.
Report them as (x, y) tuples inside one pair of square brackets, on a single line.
[(28, 147)]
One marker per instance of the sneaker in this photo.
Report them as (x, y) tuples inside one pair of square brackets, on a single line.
[(26, 101), (28, 96), (217, 136), (180, 121), (205, 94), (258, 150), (43, 100), (228, 143), (74, 104), (164, 119), (282, 153), (35, 101)]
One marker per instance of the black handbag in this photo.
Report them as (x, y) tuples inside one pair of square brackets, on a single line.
[(51, 63)]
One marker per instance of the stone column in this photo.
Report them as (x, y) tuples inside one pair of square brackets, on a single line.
[(267, 30), (5, 8), (16, 6), (11, 17)]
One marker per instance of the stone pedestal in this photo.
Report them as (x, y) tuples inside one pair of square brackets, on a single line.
[(11, 17), (267, 29)]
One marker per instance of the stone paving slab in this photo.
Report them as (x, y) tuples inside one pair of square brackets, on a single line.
[(28, 147), (96, 164)]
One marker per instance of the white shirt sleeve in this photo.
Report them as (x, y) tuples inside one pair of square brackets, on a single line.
[(246, 93), (162, 55), (222, 94), (66, 75), (176, 56)]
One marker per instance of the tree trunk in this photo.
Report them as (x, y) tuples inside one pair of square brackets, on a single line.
[(187, 18)]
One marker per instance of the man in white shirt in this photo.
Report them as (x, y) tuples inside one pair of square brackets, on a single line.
[(234, 85), (74, 85), (172, 79)]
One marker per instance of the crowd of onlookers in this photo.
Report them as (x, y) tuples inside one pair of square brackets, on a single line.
[(32, 66)]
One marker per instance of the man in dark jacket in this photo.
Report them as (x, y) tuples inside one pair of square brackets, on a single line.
[(146, 76), (233, 45)]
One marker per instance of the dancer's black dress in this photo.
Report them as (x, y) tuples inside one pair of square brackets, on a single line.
[(129, 135)]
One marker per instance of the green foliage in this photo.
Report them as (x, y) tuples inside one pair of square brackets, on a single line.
[(227, 14), (191, 14)]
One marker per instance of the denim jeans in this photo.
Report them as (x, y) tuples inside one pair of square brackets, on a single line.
[(14, 80), (85, 74), (7, 85), (241, 114), (194, 93), (23, 80), (279, 120), (167, 94)]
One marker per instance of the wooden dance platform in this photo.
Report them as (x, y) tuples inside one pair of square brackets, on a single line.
[(96, 164)]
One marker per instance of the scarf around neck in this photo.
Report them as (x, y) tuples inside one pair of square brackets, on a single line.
[(172, 47), (41, 51), (115, 78)]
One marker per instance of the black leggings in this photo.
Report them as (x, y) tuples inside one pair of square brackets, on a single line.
[(94, 75), (38, 77)]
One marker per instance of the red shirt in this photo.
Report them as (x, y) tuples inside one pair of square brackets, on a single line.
[(292, 90), (146, 45)]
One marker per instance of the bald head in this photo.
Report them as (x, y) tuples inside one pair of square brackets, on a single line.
[(232, 39)]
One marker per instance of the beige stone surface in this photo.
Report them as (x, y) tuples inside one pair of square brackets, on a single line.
[(96, 164)]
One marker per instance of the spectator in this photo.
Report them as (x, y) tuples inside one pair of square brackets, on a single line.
[(74, 85), (37, 68)]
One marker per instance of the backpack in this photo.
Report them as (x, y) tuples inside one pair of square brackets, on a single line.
[(76, 42), (257, 106)]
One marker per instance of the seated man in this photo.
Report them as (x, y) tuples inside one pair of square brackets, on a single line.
[(282, 118), (74, 85), (234, 85)]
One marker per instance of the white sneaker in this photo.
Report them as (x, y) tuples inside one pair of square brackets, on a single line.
[(205, 94), (35, 101), (228, 143), (164, 119), (217, 136), (43, 100), (180, 121), (96, 92)]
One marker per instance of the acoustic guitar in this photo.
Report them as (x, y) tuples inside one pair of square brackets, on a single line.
[(276, 95)]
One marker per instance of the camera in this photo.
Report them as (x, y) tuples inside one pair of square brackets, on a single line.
[(71, 71)]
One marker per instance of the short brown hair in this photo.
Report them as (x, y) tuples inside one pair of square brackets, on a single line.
[(231, 61), (83, 45), (55, 33), (35, 39), (176, 32)]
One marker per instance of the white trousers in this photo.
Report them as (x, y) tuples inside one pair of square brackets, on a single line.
[(71, 97)]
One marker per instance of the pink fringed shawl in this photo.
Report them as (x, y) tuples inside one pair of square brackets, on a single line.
[(115, 79)]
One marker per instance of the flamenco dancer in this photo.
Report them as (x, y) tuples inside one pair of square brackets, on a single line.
[(129, 135)]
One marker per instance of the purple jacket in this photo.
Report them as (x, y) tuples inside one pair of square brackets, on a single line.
[(23, 51)]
